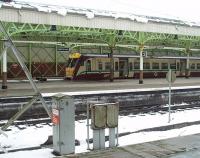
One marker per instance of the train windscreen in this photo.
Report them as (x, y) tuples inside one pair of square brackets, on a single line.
[(71, 62)]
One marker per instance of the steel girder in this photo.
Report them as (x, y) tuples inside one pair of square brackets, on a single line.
[(64, 34)]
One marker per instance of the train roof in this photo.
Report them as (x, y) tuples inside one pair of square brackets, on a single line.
[(137, 56)]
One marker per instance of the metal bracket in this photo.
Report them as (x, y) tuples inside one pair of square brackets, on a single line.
[(28, 75), (19, 113)]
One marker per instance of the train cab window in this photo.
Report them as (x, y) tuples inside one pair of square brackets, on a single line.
[(71, 62), (81, 62), (88, 65), (173, 66), (68, 62), (100, 65), (107, 66), (164, 66), (192, 66), (130, 66), (146, 65), (136, 65), (116, 66), (155, 66), (198, 66)]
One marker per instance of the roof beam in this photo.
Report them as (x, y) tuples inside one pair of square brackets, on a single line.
[(78, 20), (75, 44)]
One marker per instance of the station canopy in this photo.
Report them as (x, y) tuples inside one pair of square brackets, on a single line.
[(155, 25)]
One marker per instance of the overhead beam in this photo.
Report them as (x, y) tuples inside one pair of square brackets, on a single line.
[(77, 44), (78, 20)]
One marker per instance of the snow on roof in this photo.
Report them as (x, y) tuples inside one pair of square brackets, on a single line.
[(92, 8)]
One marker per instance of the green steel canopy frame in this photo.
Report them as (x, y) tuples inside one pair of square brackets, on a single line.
[(28, 23), (80, 36)]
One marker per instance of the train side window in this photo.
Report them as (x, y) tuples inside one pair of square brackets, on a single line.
[(155, 66), (116, 66), (130, 66), (173, 66), (146, 65), (100, 65), (192, 66), (136, 65), (198, 66), (164, 66), (88, 65), (107, 66)]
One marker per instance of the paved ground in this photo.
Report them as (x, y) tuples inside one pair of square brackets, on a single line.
[(180, 147), (21, 88)]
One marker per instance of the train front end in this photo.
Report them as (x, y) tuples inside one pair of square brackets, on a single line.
[(71, 65)]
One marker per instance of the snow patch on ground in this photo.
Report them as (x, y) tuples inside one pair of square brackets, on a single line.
[(41, 153), (32, 136)]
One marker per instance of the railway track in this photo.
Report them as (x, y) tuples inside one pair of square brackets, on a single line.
[(139, 110), (142, 102)]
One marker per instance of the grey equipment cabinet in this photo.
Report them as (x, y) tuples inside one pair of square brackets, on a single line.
[(63, 118)]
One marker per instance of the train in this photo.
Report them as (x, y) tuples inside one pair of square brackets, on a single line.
[(97, 66)]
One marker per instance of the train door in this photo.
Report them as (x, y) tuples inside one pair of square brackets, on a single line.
[(88, 66), (116, 68), (177, 67), (123, 68), (182, 67)]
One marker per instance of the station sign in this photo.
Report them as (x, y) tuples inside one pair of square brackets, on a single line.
[(63, 49)]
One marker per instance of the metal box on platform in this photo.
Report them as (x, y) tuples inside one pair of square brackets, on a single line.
[(63, 118)]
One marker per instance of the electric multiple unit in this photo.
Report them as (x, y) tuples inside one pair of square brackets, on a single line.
[(97, 66)]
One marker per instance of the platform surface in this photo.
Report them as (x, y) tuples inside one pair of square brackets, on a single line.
[(21, 88), (179, 147)]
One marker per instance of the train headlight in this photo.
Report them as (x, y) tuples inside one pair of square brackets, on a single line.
[(69, 72)]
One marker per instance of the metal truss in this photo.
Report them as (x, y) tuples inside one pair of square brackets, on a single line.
[(63, 34)]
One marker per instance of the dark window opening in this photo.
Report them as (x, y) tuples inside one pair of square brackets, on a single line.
[(100, 65), (82, 63), (137, 65), (116, 66), (173, 66), (198, 66), (192, 66), (146, 65), (164, 66), (130, 66), (71, 62), (178, 66), (155, 66), (88, 65), (107, 66)]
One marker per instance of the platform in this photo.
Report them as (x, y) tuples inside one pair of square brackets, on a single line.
[(180, 147), (22, 88)]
